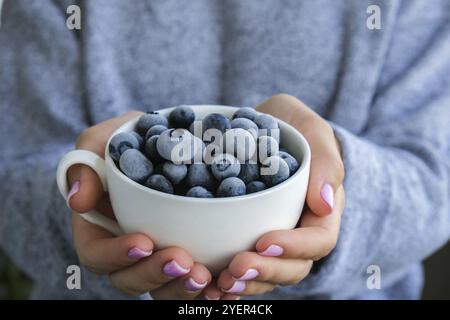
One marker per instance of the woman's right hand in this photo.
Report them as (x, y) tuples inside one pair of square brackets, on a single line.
[(129, 259)]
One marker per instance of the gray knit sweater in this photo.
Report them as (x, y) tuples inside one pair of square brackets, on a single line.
[(386, 92)]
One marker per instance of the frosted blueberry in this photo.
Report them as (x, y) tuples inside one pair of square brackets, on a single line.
[(245, 124), (179, 146), (135, 165), (120, 143), (224, 166), (151, 151), (290, 160), (249, 172), (199, 176), (216, 121), (160, 183), (182, 117), (246, 112), (274, 170), (150, 119), (255, 186), (231, 187), (268, 126), (156, 130), (174, 172), (139, 138), (199, 192)]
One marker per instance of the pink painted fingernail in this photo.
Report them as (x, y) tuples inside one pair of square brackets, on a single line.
[(173, 269), (327, 195), (136, 253), (73, 190), (237, 287), (272, 251), (209, 298), (250, 274), (192, 285)]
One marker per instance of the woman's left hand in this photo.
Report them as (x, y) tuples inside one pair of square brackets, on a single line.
[(285, 257)]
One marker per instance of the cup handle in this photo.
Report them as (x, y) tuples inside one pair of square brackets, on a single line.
[(97, 164)]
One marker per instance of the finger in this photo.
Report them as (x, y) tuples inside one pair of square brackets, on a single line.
[(85, 186), (315, 238), (102, 253), (229, 296), (229, 285), (186, 287), (211, 292), (153, 272), (327, 170), (251, 266)]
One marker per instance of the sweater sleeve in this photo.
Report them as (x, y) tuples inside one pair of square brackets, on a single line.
[(397, 179), (41, 107)]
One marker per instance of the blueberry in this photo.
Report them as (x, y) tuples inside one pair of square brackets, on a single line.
[(224, 166), (182, 117), (135, 165), (199, 176), (160, 183), (274, 170), (139, 138), (268, 126), (290, 160), (240, 143), (122, 142), (246, 112), (267, 147), (231, 187), (151, 151), (150, 119), (245, 124), (216, 121), (156, 130), (255, 186), (179, 146), (199, 192), (174, 172), (249, 172)]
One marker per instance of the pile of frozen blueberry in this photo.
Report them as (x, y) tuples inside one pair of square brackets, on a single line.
[(205, 158)]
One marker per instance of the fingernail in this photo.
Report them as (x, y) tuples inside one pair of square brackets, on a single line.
[(250, 274), (73, 190), (237, 298), (237, 287), (327, 194), (272, 251), (173, 269), (191, 285), (209, 298), (136, 253)]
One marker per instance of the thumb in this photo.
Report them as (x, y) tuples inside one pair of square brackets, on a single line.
[(86, 189), (325, 178), (327, 169)]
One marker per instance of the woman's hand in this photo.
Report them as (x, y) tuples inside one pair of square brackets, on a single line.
[(129, 260), (285, 257)]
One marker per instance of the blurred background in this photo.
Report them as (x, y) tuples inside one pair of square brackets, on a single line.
[(15, 285)]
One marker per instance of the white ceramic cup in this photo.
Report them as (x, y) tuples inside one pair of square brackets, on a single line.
[(211, 230)]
